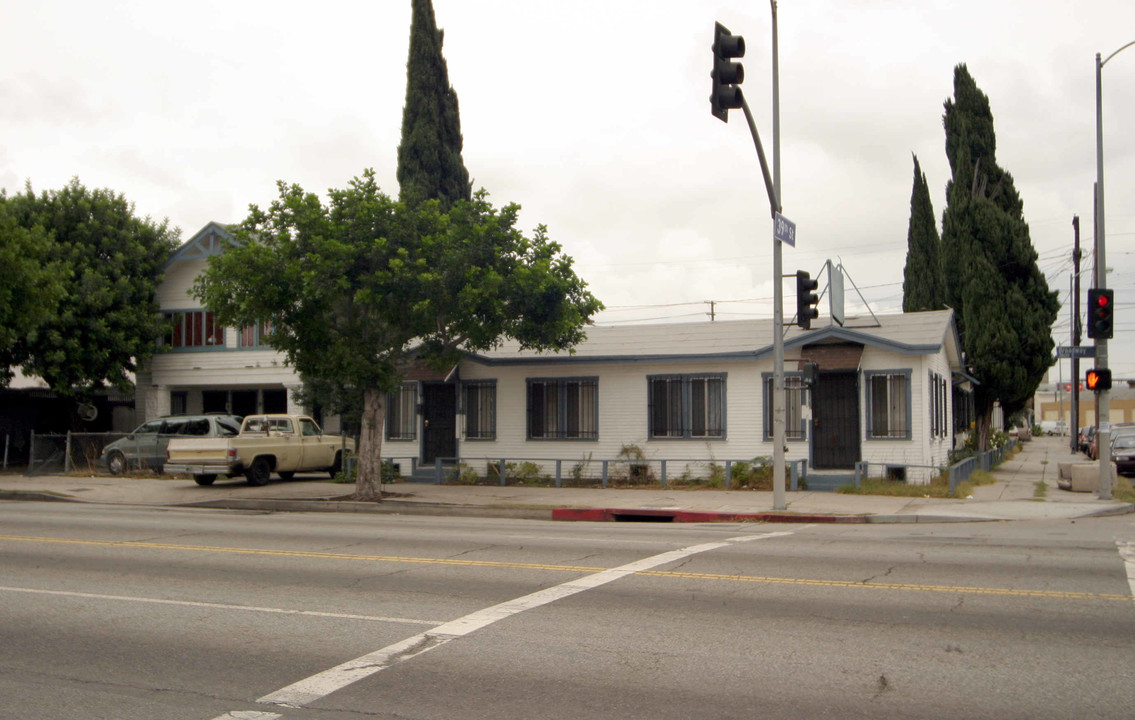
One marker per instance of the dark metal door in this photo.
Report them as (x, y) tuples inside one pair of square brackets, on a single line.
[(439, 421), (835, 421)]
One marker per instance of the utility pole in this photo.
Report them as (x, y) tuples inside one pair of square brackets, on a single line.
[(712, 309), (1074, 426)]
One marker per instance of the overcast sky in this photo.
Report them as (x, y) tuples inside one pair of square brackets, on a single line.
[(593, 115)]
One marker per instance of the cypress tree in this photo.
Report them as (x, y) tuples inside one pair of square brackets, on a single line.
[(429, 157), (922, 277), (1004, 307)]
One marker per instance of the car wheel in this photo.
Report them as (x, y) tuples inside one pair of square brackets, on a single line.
[(204, 479), (286, 475), (258, 472), (337, 466), (116, 463)]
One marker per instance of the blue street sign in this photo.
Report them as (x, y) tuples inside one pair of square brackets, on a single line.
[(784, 230), (1076, 351)]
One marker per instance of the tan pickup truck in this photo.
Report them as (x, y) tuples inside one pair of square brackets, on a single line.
[(281, 444)]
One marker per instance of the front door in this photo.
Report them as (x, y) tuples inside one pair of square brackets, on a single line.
[(835, 421), (439, 421)]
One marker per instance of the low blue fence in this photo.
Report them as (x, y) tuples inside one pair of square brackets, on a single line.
[(956, 474), (499, 466)]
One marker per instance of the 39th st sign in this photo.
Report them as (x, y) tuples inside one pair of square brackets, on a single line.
[(784, 230)]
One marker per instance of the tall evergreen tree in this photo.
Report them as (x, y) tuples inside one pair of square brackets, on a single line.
[(922, 278), (1004, 307), (429, 158)]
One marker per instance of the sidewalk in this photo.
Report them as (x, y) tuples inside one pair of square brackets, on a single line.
[(1012, 497)]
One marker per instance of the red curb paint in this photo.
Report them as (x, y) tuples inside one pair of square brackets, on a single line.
[(691, 516)]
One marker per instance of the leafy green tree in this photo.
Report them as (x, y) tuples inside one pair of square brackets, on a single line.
[(429, 158), (361, 287), (32, 287), (109, 263), (922, 277), (1003, 305)]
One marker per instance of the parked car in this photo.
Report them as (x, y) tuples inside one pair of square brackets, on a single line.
[(1123, 453), (266, 444), (145, 446)]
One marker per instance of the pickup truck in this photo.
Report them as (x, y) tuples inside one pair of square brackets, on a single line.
[(266, 444)]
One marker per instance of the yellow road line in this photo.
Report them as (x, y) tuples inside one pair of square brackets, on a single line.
[(1005, 592)]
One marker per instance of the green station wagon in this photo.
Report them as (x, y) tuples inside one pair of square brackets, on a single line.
[(145, 446)]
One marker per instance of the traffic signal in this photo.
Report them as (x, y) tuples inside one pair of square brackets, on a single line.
[(1101, 304), (727, 75), (1098, 379), (806, 299)]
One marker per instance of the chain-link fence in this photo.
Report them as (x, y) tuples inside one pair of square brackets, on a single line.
[(50, 454)]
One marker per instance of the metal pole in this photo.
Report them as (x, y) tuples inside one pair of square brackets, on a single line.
[(1103, 432), (779, 502), (1074, 426)]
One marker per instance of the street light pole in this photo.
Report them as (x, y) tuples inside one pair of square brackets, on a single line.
[(1103, 419), (779, 501)]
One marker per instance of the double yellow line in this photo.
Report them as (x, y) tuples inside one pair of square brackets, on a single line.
[(956, 589)]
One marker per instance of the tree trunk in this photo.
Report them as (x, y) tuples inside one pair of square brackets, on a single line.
[(368, 484), (983, 421)]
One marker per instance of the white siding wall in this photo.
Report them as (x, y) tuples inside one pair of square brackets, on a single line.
[(227, 368), (921, 449), (623, 418)]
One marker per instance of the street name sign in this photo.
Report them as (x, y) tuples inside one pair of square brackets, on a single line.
[(1076, 351), (784, 230)]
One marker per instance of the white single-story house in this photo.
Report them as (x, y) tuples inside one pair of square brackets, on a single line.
[(692, 394)]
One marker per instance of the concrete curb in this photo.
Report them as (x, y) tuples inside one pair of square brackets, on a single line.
[(387, 507), (33, 496)]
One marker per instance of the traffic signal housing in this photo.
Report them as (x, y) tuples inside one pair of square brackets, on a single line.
[(727, 75), (1098, 379), (1101, 307), (806, 299)]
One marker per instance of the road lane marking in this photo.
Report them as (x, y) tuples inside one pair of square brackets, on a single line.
[(316, 687), (1008, 592), (219, 606), (305, 554)]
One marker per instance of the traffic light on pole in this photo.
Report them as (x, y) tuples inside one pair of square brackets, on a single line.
[(806, 299), (1098, 379), (1101, 306), (727, 75)]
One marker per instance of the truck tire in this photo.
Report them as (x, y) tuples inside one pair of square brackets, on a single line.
[(287, 475), (337, 466), (258, 472), (204, 479)]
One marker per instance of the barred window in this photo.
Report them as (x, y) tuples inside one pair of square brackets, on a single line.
[(480, 410), (563, 409), (793, 407), (686, 406), (402, 413), (889, 403)]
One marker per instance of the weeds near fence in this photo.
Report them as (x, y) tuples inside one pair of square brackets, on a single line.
[(939, 487)]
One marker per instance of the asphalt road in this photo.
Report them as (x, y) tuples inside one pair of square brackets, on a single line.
[(132, 613)]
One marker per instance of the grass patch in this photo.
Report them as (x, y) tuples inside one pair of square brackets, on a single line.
[(1041, 490), (939, 487), (1123, 490)]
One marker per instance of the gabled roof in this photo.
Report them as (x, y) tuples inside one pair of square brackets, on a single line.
[(209, 240), (919, 333)]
